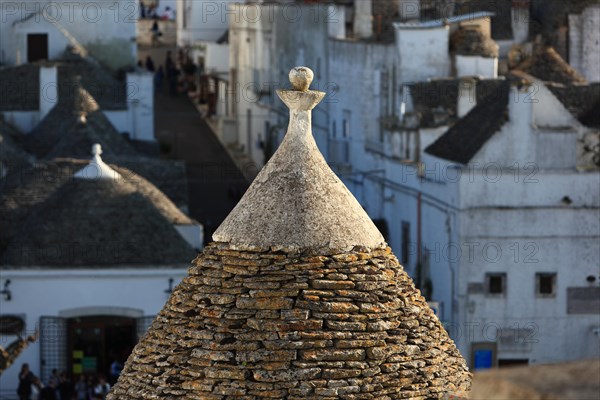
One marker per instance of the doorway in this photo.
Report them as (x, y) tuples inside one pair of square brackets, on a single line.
[(95, 342), (37, 47), (512, 362)]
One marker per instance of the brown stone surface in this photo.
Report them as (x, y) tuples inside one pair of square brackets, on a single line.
[(276, 329)]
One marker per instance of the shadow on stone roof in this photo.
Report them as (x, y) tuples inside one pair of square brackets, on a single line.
[(20, 85), (58, 220), (12, 151), (583, 101), (72, 127), (464, 139), (20, 88), (441, 95), (547, 65)]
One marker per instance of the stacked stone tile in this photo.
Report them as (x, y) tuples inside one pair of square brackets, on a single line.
[(302, 313)]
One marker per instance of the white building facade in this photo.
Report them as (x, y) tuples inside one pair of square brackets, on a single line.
[(58, 302), (41, 29), (133, 114), (513, 223), (584, 47)]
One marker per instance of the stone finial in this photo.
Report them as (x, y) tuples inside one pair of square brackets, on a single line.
[(301, 78), (300, 98), (96, 149), (97, 168), (296, 201)]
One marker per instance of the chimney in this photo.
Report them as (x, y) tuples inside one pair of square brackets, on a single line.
[(48, 89), (467, 96), (337, 24), (363, 19), (520, 20), (409, 9)]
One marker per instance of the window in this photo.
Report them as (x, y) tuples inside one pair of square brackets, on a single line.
[(405, 242), (545, 284), (496, 284), (346, 124), (249, 131), (37, 47), (512, 362)]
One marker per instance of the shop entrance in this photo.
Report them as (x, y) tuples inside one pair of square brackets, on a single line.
[(95, 342)]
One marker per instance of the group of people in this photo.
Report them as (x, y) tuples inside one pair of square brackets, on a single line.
[(171, 73), (60, 386), (150, 11)]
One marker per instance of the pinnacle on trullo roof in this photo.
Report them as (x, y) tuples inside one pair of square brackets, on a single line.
[(296, 201), (299, 297), (97, 168)]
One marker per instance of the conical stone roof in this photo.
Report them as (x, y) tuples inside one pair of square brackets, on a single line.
[(296, 201), (73, 125), (284, 304)]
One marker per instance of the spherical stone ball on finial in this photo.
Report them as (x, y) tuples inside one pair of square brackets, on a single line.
[(301, 78)]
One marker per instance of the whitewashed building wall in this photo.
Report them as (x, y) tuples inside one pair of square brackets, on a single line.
[(584, 46), (84, 22), (70, 293), (423, 53)]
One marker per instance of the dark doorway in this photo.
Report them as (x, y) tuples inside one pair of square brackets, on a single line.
[(95, 342), (37, 47), (512, 362)]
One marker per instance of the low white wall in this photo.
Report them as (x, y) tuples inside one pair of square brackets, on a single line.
[(138, 118), (140, 101), (476, 66), (423, 53)]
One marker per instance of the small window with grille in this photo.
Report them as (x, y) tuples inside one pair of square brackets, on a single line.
[(496, 284), (545, 284)]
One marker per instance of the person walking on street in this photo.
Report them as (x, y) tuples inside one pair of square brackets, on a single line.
[(49, 392), (158, 78), (81, 388), (149, 64), (171, 74), (102, 388), (65, 387), (155, 31), (26, 379)]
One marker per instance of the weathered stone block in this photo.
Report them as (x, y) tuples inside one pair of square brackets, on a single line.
[(295, 314), (289, 375), (264, 303), (341, 373), (332, 284), (212, 355), (221, 373), (333, 354), (265, 355), (346, 325)]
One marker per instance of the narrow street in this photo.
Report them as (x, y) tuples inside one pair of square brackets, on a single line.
[(215, 184)]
